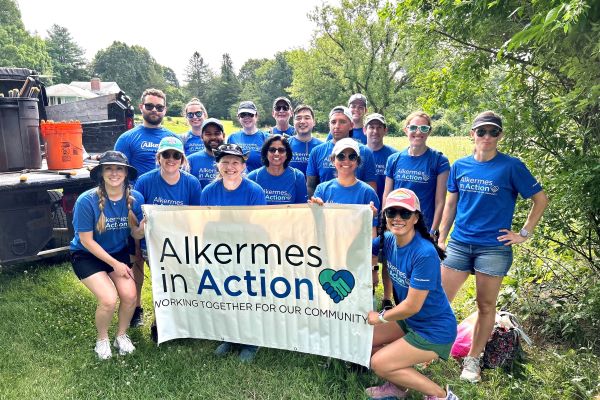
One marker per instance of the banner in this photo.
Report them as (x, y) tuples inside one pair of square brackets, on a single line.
[(294, 277)]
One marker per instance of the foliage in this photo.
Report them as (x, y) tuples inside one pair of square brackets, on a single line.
[(68, 61), (197, 77), (225, 91)]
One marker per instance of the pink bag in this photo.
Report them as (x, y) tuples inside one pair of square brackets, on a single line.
[(464, 337)]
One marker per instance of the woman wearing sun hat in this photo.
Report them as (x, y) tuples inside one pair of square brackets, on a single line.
[(422, 326), (103, 219), (483, 189)]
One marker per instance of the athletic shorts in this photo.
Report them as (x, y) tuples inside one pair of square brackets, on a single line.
[(418, 341), (86, 264), (489, 260)]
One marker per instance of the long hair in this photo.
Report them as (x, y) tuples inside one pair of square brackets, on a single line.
[(102, 196), (265, 149)]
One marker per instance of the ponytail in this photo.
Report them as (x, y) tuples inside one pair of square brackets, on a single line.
[(131, 218)]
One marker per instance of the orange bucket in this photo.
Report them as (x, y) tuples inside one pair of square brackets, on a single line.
[(64, 148)]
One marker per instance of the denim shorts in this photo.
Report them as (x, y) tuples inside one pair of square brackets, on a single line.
[(489, 260)]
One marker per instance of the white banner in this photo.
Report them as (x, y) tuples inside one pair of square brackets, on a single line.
[(290, 277)]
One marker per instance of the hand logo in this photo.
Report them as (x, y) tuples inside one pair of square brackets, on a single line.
[(337, 284)]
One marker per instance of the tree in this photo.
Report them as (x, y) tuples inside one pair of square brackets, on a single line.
[(170, 77), (226, 91), (197, 76), (68, 62)]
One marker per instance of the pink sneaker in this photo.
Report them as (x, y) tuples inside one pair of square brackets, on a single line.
[(386, 391), (449, 396)]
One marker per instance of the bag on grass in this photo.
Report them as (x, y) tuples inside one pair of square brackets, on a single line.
[(464, 337), (504, 345)]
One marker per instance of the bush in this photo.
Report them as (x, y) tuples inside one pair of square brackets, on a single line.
[(443, 128)]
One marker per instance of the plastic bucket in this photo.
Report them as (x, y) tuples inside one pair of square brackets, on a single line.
[(64, 148), (19, 134)]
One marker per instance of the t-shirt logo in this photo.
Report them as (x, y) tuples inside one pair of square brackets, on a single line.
[(396, 275), (475, 185), (116, 223), (410, 175), (145, 145)]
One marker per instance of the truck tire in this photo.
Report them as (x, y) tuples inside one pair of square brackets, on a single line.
[(59, 220)]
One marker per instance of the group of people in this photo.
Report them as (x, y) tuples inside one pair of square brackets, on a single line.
[(420, 195)]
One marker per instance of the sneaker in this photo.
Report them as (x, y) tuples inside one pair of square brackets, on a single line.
[(123, 344), (102, 349), (224, 348), (471, 370), (449, 396), (248, 353), (386, 391), (137, 319)]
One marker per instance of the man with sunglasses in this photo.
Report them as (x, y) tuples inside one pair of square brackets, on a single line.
[(303, 142), (249, 138), (357, 103), (282, 112), (320, 168), (140, 143), (202, 164)]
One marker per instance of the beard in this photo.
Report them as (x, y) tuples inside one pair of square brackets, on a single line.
[(213, 144), (152, 119)]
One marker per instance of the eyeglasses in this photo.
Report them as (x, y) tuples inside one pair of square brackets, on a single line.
[(342, 157), (392, 213), (494, 132), (280, 150), (281, 108), (246, 115), (171, 154), (422, 128), (150, 107), (197, 114)]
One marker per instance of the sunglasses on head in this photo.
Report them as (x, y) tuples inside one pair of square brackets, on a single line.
[(150, 107), (342, 157), (246, 115), (392, 213), (280, 150), (197, 114), (171, 154), (283, 107), (494, 132), (421, 128)]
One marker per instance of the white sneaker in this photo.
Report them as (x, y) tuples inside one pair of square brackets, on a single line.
[(102, 349), (471, 370), (123, 344)]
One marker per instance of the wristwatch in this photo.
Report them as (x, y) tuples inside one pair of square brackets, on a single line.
[(383, 320), (524, 233)]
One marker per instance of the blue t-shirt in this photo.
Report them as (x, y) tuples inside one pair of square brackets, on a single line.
[(487, 193), (192, 143), (417, 265), (139, 144), (252, 144), (301, 151), (186, 192), (419, 174), (319, 164), (204, 167), (359, 193), (287, 188), (87, 213), (289, 131), (381, 156), (358, 134), (249, 193)]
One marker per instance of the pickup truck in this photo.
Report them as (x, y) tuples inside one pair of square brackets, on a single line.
[(36, 205)]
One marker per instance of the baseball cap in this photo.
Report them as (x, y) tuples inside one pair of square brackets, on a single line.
[(112, 157), (375, 117), (229, 149), (487, 118), (357, 96), (170, 143), (404, 198), (282, 99), (247, 107), (212, 121), (341, 109), (343, 144)]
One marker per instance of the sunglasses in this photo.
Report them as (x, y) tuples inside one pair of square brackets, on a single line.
[(421, 128), (342, 157), (246, 115), (281, 108), (171, 154), (197, 114), (280, 150), (392, 213), (494, 132), (150, 107)]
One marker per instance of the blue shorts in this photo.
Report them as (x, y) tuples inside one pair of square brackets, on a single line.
[(489, 260)]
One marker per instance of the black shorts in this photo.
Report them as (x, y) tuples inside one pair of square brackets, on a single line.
[(86, 264)]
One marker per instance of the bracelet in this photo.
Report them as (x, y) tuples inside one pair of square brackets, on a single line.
[(383, 320)]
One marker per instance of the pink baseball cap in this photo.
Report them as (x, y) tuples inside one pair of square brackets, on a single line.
[(404, 198)]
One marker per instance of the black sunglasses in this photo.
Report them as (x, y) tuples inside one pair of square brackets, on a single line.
[(150, 107), (280, 150), (342, 157), (245, 115), (494, 132), (171, 154), (392, 213), (281, 108), (197, 114)]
